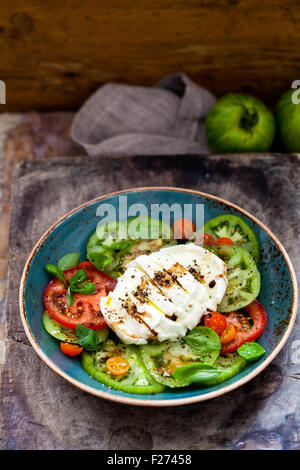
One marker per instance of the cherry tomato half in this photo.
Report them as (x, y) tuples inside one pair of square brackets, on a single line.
[(216, 321), (224, 241), (71, 350), (117, 365), (183, 229), (228, 334)]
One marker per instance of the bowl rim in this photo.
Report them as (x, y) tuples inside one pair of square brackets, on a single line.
[(167, 402)]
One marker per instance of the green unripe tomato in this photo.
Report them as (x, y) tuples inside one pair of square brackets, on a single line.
[(287, 116), (239, 123)]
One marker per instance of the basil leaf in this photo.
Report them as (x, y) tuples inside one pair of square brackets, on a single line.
[(77, 283), (196, 373), (251, 351), (68, 261), (87, 338), (85, 288), (99, 260), (55, 271), (105, 252), (203, 339), (70, 298), (77, 278)]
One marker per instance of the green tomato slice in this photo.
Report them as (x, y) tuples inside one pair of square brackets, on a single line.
[(243, 278), (67, 335), (109, 249), (163, 359), (228, 366), (135, 228), (148, 228), (235, 228), (58, 331), (137, 380)]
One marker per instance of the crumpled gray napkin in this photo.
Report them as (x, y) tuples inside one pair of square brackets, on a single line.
[(131, 120)]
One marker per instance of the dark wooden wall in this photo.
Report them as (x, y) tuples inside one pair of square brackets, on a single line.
[(54, 53)]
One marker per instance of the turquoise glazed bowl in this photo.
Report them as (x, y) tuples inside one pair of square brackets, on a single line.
[(70, 233)]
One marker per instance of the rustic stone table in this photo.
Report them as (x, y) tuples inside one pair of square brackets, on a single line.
[(42, 411)]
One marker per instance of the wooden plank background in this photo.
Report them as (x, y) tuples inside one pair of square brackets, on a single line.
[(54, 54)]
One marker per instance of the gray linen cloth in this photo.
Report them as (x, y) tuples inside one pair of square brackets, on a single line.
[(131, 120)]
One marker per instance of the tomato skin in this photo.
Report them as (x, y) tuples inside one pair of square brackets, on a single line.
[(71, 350), (183, 229), (216, 321), (258, 315), (224, 241), (85, 309)]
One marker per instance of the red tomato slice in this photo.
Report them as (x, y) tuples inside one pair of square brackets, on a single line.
[(258, 316), (85, 309)]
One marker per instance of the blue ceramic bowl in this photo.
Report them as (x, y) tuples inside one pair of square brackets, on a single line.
[(278, 292)]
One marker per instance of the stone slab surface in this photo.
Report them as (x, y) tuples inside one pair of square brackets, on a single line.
[(42, 411)]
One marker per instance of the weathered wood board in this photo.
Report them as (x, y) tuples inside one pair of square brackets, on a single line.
[(55, 54), (42, 411)]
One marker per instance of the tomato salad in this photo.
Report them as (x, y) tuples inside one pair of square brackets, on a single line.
[(217, 348)]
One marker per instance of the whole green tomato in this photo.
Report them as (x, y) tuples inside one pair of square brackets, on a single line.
[(287, 116), (239, 123)]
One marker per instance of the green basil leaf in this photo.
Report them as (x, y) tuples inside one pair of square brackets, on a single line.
[(99, 260), (77, 278), (203, 339), (70, 298), (84, 288), (87, 338), (196, 373), (68, 261), (251, 351), (55, 271)]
